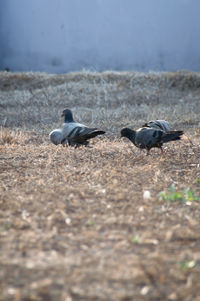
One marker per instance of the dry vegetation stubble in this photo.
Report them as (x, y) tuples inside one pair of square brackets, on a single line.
[(74, 223)]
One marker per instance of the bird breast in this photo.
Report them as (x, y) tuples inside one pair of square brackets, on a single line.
[(56, 136)]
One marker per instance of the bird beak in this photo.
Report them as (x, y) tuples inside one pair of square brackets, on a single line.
[(62, 114)]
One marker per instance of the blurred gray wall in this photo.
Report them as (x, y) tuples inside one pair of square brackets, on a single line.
[(67, 35)]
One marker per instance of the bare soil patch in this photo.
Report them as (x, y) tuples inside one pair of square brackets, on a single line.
[(76, 224)]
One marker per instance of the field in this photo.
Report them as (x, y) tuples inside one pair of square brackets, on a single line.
[(100, 223)]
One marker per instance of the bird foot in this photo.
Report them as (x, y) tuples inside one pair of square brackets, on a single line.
[(162, 152)]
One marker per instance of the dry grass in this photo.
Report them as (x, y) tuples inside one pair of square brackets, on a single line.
[(74, 224)]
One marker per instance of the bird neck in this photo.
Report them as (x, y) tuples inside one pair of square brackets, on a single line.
[(68, 118), (131, 135)]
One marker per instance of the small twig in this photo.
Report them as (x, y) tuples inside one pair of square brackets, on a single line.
[(131, 148), (45, 94), (189, 139), (4, 122), (153, 281)]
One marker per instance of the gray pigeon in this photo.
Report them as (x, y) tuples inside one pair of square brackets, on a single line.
[(73, 133), (158, 124), (147, 138)]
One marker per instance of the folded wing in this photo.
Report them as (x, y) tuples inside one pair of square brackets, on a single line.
[(158, 124), (79, 135), (149, 137)]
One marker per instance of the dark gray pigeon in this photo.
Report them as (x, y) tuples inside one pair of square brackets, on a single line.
[(147, 138), (158, 124), (73, 133)]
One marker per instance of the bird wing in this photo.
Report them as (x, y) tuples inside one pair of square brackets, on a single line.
[(80, 134), (158, 124), (148, 137), (69, 129)]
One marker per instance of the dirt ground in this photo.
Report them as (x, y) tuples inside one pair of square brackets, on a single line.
[(100, 223)]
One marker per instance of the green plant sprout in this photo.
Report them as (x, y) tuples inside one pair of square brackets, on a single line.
[(186, 195), (188, 264), (136, 240), (90, 223)]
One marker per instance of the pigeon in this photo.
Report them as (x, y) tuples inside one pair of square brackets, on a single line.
[(158, 124), (73, 133), (147, 138)]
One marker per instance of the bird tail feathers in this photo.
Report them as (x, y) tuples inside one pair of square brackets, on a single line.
[(92, 134), (172, 136)]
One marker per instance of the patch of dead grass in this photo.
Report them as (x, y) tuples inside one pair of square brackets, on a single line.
[(110, 99), (74, 224), (9, 137)]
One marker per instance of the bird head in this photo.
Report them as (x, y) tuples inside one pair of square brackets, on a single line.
[(128, 133), (125, 132), (68, 116)]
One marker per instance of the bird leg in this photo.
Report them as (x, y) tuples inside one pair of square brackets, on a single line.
[(162, 151), (77, 145), (148, 152), (64, 142), (86, 143)]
